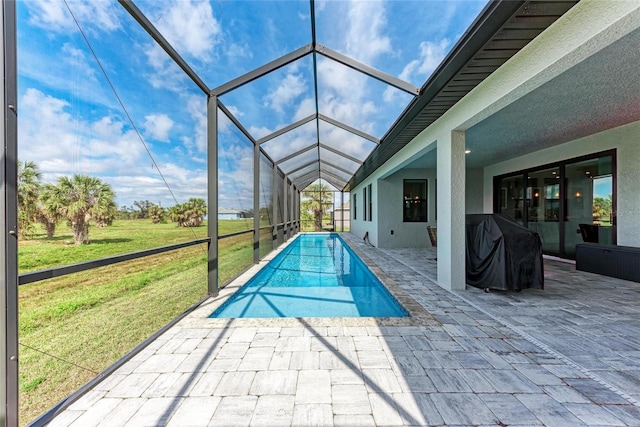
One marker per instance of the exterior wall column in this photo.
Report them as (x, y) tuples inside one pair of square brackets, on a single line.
[(451, 211)]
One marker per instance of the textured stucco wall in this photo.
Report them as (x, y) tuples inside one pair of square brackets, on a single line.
[(405, 234)]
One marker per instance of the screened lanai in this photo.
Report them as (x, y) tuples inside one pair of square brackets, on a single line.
[(241, 104)]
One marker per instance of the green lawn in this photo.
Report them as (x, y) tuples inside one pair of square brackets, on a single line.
[(74, 326)]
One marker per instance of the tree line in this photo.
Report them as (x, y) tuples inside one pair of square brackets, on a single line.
[(82, 200)]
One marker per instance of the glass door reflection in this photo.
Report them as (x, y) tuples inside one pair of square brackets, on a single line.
[(543, 207), (589, 201), (511, 195)]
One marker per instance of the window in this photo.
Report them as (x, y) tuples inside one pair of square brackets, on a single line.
[(415, 200), (370, 207), (364, 204), (355, 206)]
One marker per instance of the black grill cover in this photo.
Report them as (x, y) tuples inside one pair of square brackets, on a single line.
[(502, 254)]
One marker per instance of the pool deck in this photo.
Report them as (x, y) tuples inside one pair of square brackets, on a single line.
[(565, 356)]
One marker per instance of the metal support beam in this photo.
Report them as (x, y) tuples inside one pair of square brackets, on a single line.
[(307, 179), (342, 211), (349, 128), (164, 44), (299, 168), (292, 204), (346, 156), (256, 203), (286, 129), (298, 209), (274, 206), (324, 162), (9, 221), (235, 121), (285, 207), (263, 70), (297, 153), (366, 69), (333, 175), (331, 179), (212, 194)]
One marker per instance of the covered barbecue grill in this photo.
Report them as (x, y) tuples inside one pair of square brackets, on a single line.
[(502, 254)]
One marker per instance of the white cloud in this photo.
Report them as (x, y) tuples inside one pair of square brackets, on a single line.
[(77, 60), (305, 108), (184, 184), (431, 55), (69, 69), (157, 126), (292, 141), (197, 108), (224, 123), (53, 15), (236, 51), (344, 96), (366, 23), (165, 74), (291, 87), (259, 131), (235, 176), (64, 144), (189, 25)]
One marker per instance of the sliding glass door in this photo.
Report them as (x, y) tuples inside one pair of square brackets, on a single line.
[(566, 203), (543, 207), (589, 201), (511, 196)]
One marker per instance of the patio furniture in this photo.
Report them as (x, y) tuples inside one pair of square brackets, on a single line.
[(433, 235), (589, 233), (622, 262), (502, 254)]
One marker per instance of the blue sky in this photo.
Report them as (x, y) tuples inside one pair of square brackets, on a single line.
[(71, 121)]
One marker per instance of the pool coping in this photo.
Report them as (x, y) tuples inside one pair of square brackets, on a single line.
[(418, 316)]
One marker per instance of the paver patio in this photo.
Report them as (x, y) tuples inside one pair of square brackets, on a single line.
[(568, 355)]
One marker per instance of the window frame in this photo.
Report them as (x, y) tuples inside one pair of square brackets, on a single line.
[(364, 203), (370, 206), (355, 206), (422, 200)]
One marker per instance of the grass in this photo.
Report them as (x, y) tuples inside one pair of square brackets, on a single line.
[(75, 326)]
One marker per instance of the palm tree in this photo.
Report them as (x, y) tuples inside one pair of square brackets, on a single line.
[(602, 207), (157, 214), (189, 214), (48, 214), (28, 189), (318, 197), (80, 199)]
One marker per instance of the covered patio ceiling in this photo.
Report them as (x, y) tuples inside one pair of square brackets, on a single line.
[(318, 137)]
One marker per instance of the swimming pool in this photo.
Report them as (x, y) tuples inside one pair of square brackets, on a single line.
[(317, 275)]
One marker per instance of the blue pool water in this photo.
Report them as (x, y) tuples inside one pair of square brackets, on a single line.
[(317, 275)]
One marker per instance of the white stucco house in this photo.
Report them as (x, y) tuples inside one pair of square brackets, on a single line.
[(554, 127)]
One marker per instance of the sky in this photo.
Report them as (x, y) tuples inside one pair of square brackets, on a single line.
[(97, 96)]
